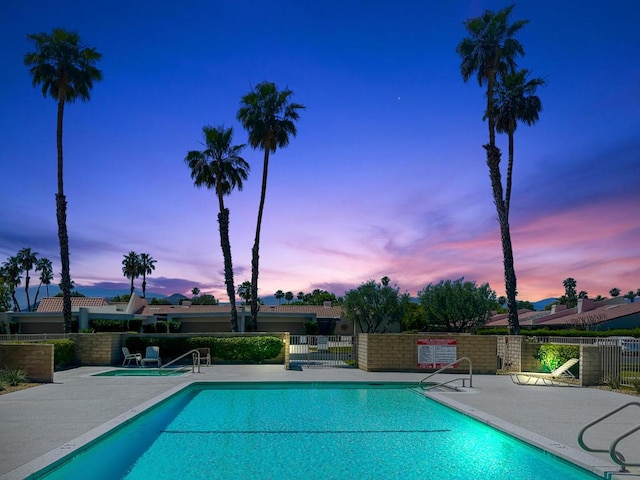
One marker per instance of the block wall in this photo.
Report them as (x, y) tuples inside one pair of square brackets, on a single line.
[(35, 359), (399, 352), (98, 348), (591, 364)]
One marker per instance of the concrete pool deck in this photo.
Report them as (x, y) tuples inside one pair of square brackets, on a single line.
[(36, 421)]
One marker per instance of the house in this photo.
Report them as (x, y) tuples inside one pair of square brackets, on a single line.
[(607, 314), (193, 318)]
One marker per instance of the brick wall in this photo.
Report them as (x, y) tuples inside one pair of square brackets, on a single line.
[(591, 364), (399, 352), (517, 355), (35, 359)]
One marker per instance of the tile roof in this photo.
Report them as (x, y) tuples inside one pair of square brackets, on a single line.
[(601, 313), (54, 304), (319, 310)]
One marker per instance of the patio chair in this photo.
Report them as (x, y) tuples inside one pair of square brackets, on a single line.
[(205, 356), (559, 377), (128, 356), (152, 355)]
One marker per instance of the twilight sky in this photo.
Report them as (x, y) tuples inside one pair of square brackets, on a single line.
[(387, 175)]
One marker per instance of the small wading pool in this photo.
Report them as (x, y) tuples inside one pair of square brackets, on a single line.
[(142, 372), (311, 431)]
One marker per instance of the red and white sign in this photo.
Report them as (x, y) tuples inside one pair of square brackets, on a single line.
[(436, 352)]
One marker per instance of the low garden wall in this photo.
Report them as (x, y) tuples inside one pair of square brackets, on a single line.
[(399, 352), (35, 359), (106, 348)]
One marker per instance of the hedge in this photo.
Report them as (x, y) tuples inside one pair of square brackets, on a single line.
[(231, 349), (106, 325), (64, 352)]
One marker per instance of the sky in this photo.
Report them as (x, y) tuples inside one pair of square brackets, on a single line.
[(387, 174)]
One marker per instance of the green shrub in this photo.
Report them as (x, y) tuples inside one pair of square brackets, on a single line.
[(162, 327), (12, 376), (3, 385), (64, 352), (551, 356), (635, 383), (613, 383), (174, 326), (107, 325), (239, 349), (311, 327), (233, 349)]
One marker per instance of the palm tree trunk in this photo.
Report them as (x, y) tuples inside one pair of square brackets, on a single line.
[(144, 285), (225, 244), (26, 290), (493, 161), (35, 300), (63, 237), (507, 199), (131, 291), (256, 245)]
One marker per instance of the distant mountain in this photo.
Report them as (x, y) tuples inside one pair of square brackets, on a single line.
[(175, 299), (540, 304)]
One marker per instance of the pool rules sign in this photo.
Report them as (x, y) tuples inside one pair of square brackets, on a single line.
[(436, 352)]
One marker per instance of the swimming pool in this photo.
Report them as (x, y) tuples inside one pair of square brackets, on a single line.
[(311, 431)]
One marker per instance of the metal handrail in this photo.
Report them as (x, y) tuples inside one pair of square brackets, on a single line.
[(616, 456), (449, 381), (196, 360)]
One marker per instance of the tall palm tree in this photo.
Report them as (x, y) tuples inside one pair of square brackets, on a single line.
[(279, 296), (12, 273), (147, 266), (490, 49), (131, 267), (27, 260), (66, 70), (515, 101), (244, 291), (221, 168), (44, 266), (269, 117)]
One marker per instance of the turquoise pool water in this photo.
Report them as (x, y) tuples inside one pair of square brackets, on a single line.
[(310, 431), (142, 372)]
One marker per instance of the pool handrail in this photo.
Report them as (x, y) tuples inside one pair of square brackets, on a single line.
[(470, 378), (196, 360), (616, 456)]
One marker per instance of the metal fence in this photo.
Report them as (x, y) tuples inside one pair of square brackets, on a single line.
[(620, 356), (34, 337), (323, 351)]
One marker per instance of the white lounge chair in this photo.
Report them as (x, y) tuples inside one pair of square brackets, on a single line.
[(128, 356), (559, 376), (152, 355)]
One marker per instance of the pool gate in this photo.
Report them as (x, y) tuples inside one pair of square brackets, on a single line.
[(323, 351)]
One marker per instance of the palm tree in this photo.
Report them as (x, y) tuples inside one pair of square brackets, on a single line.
[(131, 267), (614, 292), (288, 297), (489, 50), (44, 266), (515, 101), (66, 69), (269, 117), (244, 291), (300, 296), (147, 266), (220, 167), (195, 291), (27, 260), (12, 273), (279, 296)]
